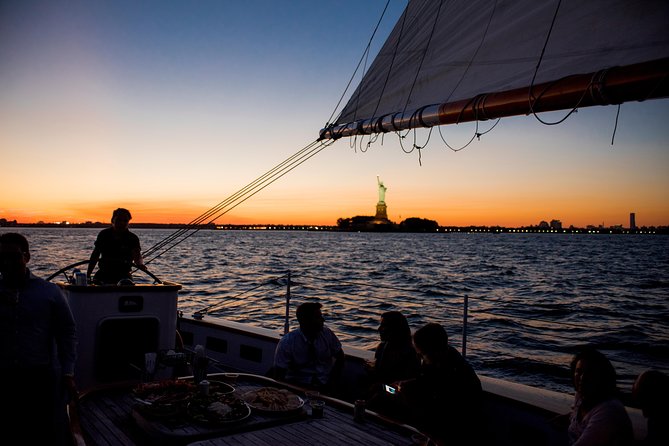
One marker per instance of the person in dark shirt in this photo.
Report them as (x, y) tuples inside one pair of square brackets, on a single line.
[(651, 393), (37, 351), (117, 249), (445, 399), (395, 359)]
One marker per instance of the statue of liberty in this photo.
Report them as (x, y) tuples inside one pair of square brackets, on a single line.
[(382, 190)]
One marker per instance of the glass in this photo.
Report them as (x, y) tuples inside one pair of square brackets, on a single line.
[(317, 408), (231, 377), (420, 440)]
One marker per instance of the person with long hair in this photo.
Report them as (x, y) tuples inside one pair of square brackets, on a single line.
[(598, 417), (395, 358)]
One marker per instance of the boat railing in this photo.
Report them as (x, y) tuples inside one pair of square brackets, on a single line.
[(475, 320)]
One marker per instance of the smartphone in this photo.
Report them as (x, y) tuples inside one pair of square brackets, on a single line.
[(389, 389)]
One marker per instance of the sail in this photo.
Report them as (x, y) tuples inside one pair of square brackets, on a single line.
[(464, 60)]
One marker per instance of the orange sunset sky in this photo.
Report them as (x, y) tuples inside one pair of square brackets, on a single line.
[(169, 108)]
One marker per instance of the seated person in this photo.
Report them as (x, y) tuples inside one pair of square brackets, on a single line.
[(651, 393), (119, 248), (445, 399), (395, 360), (598, 416), (310, 356)]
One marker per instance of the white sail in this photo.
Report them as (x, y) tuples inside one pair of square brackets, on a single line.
[(452, 56)]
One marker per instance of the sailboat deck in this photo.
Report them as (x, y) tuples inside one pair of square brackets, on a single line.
[(108, 416)]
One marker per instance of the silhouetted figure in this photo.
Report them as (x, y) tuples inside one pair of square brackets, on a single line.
[(37, 351), (598, 417), (310, 356), (651, 393), (395, 359), (445, 399), (117, 249)]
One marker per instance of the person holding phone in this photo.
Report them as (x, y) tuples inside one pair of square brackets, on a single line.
[(395, 359)]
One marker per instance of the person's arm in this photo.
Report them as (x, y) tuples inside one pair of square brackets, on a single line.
[(137, 258), (281, 359), (95, 256)]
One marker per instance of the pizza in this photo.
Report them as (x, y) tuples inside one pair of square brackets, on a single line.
[(271, 399)]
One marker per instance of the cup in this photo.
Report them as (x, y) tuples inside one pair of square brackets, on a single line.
[(317, 408), (419, 440), (231, 377)]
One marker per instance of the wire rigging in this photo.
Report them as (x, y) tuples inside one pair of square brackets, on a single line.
[(235, 199), (364, 57)]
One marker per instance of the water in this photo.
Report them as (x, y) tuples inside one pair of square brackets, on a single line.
[(533, 298)]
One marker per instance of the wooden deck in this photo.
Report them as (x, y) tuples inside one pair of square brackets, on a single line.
[(108, 416)]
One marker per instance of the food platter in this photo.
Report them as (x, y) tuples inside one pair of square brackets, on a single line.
[(271, 400), (220, 387), (163, 399), (217, 409)]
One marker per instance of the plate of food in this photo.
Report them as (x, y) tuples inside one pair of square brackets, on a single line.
[(220, 387), (274, 401), (163, 399), (217, 409)]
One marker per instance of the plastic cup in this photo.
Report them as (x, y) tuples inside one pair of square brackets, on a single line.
[(231, 377), (420, 440), (317, 408)]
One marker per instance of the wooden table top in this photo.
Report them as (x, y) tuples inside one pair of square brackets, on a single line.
[(109, 417)]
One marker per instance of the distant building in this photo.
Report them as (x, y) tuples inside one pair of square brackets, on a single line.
[(556, 224), (632, 221), (543, 225)]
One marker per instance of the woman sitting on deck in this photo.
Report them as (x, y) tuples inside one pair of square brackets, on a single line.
[(598, 417), (395, 360)]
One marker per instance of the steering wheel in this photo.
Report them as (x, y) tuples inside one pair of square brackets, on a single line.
[(85, 262)]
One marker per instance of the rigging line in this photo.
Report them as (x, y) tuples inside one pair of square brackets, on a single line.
[(531, 99), (392, 60), (286, 170), (573, 110), (198, 220), (205, 215), (216, 208), (422, 59), (364, 57), (242, 199), (615, 127), (471, 61)]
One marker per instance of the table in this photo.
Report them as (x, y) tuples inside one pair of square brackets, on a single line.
[(107, 416)]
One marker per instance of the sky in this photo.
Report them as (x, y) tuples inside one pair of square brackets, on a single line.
[(169, 107)]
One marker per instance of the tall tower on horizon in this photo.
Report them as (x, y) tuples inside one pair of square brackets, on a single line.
[(632, 221)]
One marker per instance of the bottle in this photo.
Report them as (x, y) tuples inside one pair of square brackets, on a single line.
[(204, 387), (200, 363), (359, 411)]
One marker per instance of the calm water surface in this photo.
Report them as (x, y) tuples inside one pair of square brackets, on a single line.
[(533, 298)]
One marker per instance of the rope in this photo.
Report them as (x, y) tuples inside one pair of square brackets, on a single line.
[(365, 56), (235, 200), (532, 100)]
